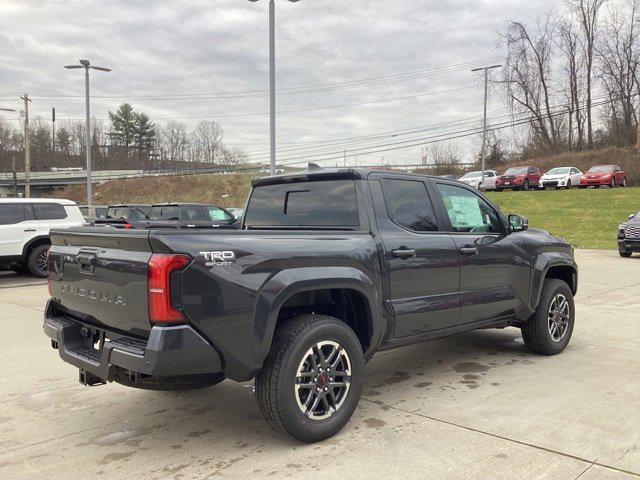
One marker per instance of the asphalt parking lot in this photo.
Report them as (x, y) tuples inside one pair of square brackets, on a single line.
[(478, 405)]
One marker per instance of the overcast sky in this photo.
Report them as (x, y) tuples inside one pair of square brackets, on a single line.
[(190, 50)]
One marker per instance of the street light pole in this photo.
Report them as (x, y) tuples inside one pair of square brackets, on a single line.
[(87, 65), (272, 87), (484, 117), (272, 84)]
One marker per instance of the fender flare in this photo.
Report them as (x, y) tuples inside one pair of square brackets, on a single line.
[(33, 240), (286, 283), (542, 267)]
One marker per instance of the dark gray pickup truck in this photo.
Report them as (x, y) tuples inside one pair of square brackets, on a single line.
[(330, 266)]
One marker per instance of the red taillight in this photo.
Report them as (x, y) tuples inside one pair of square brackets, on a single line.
[(159, 287), (127, 226)]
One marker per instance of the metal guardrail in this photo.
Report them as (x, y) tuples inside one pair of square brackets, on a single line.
[(75, 177)]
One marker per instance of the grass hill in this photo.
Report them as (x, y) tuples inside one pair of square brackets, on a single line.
[(588, 218)]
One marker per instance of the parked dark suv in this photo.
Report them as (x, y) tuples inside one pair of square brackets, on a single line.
[(629, 236)]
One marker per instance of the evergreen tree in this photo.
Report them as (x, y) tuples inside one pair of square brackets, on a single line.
[(144, 132), (123, 125)]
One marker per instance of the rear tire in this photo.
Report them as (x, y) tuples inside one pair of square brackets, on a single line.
[(37, 261), (549, 329), (298, 374)]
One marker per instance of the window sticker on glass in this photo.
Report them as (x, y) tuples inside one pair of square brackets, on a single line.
[(466, 212)]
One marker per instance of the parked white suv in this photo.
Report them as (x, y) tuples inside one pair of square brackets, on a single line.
[(473, 179), (24, 230)]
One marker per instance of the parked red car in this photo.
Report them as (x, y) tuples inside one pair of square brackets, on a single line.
[(610, 175), (519, 178)]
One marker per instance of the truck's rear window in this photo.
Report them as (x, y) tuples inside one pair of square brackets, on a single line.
[(325, 203)]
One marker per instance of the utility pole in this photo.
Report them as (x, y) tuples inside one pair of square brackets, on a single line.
[(484, 119), (27, 148), (15, 175), (53, 129)]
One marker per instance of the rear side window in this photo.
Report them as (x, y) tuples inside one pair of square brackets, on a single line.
[(194, 212), (49, 211), (408, 205), (138, 213), (11, 213), (325, 203), (165, 213), (101, 213)]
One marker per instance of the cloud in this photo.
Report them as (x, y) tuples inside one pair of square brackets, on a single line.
[(160, 48)]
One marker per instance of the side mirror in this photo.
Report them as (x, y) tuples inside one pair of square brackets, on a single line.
[(518, 223), (631, 216)]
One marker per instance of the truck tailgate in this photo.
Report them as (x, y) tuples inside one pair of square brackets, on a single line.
[(99, 276)]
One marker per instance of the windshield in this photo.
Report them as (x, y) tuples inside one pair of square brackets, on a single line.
[(558, 171), (601, 169), (516, 170), (471, 175)]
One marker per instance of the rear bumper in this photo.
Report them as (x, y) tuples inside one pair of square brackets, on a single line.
[(169, 352)]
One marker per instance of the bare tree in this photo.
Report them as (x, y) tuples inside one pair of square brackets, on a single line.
[(618, 61), (176, 141), (587, 14), (569, 43), (208, 139), (528, 78)]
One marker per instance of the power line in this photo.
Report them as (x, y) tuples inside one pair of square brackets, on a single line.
[(317, 88)]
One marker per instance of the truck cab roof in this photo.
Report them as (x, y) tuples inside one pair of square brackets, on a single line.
[(330, 174)]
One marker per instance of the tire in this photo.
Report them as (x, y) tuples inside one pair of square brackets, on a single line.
[(624, 182), (498, 189), (537, 331), (625, 253), (294, 350), (525, 185), (36, 263), (613, 183), (568, 187), (582, 186), (596, 186)]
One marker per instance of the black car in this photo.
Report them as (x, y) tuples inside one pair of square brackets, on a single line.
[(629, 236), (192, 215), (330, 267)]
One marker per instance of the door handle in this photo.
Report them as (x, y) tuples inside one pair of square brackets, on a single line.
[(403, 253), (468, 250), (29, 229)]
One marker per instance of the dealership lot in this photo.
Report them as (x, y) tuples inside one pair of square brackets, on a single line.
[(478, 405)]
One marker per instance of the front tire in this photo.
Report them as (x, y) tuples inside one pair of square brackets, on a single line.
[(549, 329), (312, 379), (625, 253), (568, 187), (526, 185), (37, 261)]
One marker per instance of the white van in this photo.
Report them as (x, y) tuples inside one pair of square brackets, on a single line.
[(24, 230)]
